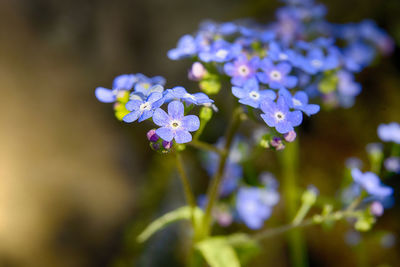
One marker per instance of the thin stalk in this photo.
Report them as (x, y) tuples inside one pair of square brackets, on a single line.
[(289, 164), (213, 189), (204, 146), (185, 181)]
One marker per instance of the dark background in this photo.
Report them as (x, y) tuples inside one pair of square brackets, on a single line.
[(77, 186)]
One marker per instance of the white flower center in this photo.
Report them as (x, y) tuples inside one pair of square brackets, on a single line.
[(279, 116), (316, 63), (145, 106), (221, 53), (275, 75), (175, 124), (187, 95), (283, 56), (255, 95), (243, 70), (296, 102)]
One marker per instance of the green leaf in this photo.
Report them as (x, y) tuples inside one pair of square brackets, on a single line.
[(245, 247), (218, 252), (183, 213)]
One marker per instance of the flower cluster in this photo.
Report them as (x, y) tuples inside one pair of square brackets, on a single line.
[(139, 98), (276, 67)]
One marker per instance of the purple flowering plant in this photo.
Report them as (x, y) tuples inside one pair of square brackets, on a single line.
[(298, 64)]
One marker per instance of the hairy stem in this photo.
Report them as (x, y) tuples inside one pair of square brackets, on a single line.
[(213, 190)]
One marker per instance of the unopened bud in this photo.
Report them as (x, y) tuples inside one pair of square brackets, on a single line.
[(290, 136), (277, 143), (197, 71), (152, 136), (376, 208), (166, 144)]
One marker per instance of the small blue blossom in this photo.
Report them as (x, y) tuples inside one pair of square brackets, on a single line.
[(122, 83), (357, 56), (254, 205), (242, 69), (251, 210), (371, 183), (143, 109), (175, 125), (276, 76), (299, 102), (389, 132), (142, 92), (145, 85), (220, 51), (186, 48), (278, 115), (180, 93), (392, 164), (251, 94), (276, 53), (316, 61)]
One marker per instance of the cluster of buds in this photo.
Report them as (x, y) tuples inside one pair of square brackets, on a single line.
[(276, 142), (157, 144)]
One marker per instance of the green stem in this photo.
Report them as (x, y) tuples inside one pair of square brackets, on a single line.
[(289, 165), (212, 192), (349, 212), (185, 181), (204, 146)]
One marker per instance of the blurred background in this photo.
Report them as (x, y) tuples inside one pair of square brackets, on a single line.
[(77, 186)]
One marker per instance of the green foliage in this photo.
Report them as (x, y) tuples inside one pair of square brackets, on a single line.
[(183, 213), (328, 83), (210, 84), (218, 252), (364, 222)]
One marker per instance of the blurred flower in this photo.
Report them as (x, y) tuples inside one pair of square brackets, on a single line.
[(389, 132), (276, 76), (371, 183)]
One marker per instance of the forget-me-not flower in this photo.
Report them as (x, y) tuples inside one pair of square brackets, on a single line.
[(389, 132), (242, 69), (279, 116), (186, 48), (251, 95), (179, 92), (299, 101), (175, 125), (371, 183), (121, 83), (276, 76), (143, 109)]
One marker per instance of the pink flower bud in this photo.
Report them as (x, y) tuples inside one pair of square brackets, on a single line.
[(290, 136)]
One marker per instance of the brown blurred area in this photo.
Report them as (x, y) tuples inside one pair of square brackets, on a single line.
[(73, 179)]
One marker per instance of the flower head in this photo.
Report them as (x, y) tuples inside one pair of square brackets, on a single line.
[(251, 95), (121, 83), (276, 76), (371, 183), (389, 132), (143, 109), (175, 125), (186, 48), (299, 102), (278, 115), (242, 69)]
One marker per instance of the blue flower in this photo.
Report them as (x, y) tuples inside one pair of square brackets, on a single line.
[(316, 61), (278, 115), (251, 95), (276, 76), (186, 48), (299, 101), (175, 125), (250, 209), (371, 183), (144, 84), (358, 56), (392, 164), (122, 82), (143, 109), (220, 51), (254, 205), (180, 93), (142, 92), (276, 53), (242, 69), (389, 132)]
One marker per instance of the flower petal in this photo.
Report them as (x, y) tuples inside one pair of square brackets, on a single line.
[(190, 123), (176, 109), (131, 117), (165, 133), (295, 118), (160, 117), (104, 95), (182, 136), (133, 105)]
